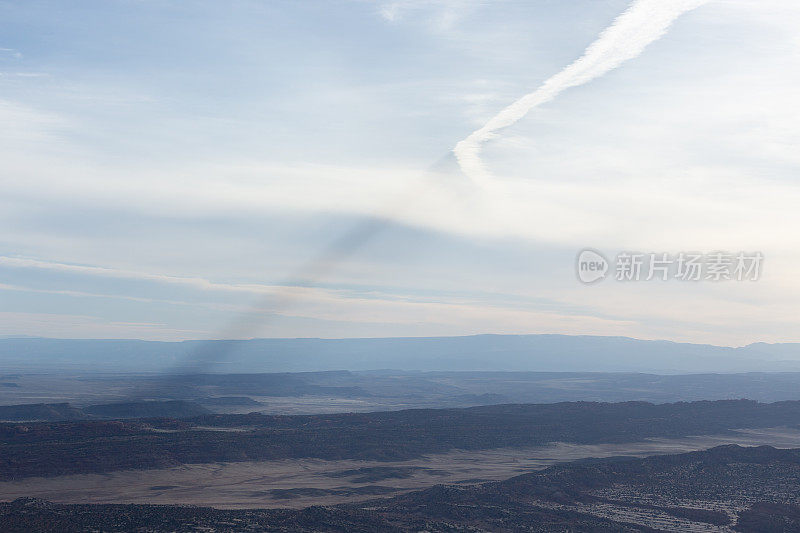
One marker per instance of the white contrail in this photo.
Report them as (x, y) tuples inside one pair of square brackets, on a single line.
[(641, 24)]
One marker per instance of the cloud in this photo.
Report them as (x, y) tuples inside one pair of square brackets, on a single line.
[(353, 312), (82, 326), (198, 283), (21, 123), (10, 52), (446, 13), (642, 23)]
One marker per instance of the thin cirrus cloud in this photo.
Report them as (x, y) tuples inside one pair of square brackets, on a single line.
[(353, 311), (195, 282)]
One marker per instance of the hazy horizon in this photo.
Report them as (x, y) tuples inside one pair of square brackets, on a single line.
[(13, 336)]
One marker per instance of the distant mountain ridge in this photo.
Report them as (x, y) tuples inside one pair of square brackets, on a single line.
[(552, 353)]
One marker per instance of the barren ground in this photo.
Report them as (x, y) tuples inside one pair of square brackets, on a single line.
[(309, 481)]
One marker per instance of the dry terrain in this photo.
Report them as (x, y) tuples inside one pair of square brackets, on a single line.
[(298, 483)]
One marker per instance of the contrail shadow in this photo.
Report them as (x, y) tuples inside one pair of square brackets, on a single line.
[(247, 323)]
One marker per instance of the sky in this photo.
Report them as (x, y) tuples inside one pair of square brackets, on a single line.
[(175, 170)]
